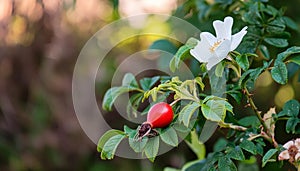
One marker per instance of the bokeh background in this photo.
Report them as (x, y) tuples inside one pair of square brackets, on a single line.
[(39, 44)]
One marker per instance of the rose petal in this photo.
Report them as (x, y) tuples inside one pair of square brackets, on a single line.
[(284, 155), (211, 39), (288, 144), (223, 49), (223, 29), (201, 51), (237, 38), (297, 143), (212, 62)]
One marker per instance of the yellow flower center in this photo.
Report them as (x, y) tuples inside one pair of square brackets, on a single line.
[(213, 47)]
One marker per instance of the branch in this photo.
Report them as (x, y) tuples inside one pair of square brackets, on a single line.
[(255, 109), (231, 126)]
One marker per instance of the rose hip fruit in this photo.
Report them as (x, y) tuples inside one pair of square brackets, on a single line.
[(160, 115)]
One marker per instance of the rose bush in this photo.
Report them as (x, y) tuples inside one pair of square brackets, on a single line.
[(250, 139)]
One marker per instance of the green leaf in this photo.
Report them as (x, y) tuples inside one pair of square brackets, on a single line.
[(200, 83), (249, 121), (106, 136), (182, 53), (235, 153), (169, 136), (129, 131), (220, 145), (111, 95), (164, 45), (267, 157), (214, 110), (243, 61), (277, 42), (276, 26), (195, 165), (148, 83), (110, 146), (290, 23), (279, 73), (290, 108), (249, 146), (251, 75), (137, 145), (225, 164), (187, 112), (236, 95), (129, 81), (151, 148), (252, 16), (290, 51), (220, 69), (264, 50), (181, 128), (291, 125), (133, 104), (295, 60), (171, 169)]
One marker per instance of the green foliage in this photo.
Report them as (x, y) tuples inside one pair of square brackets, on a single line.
[(214, 109), (268, 157), (109, 142), (151, 148), (169, 136), (182, 53), (291, 111), (225, 164), (187, 112), (201, 98), (279, 71)]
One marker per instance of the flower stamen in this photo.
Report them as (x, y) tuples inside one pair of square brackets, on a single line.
[(213, 47)]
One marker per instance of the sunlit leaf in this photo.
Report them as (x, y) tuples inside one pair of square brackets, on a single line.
[(129, 81), (187, 112), (106, 136), (147, 83), (214, 110), (110, 146), (182, 53), (112, 94)]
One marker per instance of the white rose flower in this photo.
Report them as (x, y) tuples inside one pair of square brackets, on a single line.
[(211, 49), (292, 151)]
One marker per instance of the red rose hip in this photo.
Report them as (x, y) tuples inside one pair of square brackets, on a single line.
[(160, 115)]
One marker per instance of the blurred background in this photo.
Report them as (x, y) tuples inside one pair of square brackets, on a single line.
[(40, 41)]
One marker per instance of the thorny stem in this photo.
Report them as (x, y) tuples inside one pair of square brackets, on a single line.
[(265, 131)]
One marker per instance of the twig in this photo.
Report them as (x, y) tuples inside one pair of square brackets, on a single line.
[(255, 109)]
